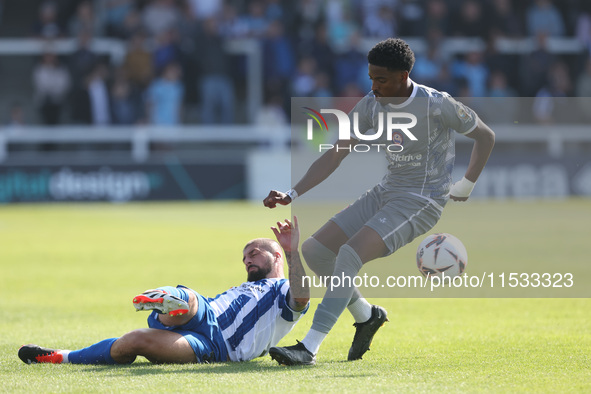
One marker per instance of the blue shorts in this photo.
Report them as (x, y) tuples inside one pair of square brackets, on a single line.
[(202, 332)]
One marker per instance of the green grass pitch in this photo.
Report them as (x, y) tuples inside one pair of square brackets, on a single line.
[(68, 274)]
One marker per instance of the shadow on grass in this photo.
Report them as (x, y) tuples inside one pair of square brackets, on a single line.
[(147, 368), (346, 369)]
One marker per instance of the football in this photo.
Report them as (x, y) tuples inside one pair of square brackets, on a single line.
[(441, 254)]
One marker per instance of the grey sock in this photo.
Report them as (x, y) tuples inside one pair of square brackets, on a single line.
[(336, 298), (321, 260)]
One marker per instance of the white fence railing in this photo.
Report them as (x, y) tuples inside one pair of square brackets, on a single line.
[(140, 138)]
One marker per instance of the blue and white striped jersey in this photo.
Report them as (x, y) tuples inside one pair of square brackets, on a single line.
[(254, 316)]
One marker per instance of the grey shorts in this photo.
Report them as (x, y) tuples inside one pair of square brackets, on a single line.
[(398, 217)]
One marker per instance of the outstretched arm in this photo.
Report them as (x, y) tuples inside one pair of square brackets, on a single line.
[(484, 141), (318, 172), (288, 236)]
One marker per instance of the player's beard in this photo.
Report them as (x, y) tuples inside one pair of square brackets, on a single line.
[(258, 274)]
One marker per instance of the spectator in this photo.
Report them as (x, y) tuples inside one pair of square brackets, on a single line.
[(381, 24), (90, 103), (365, 8), (116, 12), (216, 88), (474, 71), (543, 107), (304, 81), (502, 62), (464, 92), (16, 115), (535, 66), (125, 100), (560, 79), (84, 20), (160, 16), (274, 10), (583, 27), (255, 21), (435, 37), (570, 10), (309, 14), (351, 90), (504, 20), (81, 63), (278, 55), (98, 95), (131, 25), (230, 24), (201, 10), (138, 62), (46, 25), (167, 50), (437, 17), (543, 16), (498, 86), (319, 48), (340, 30), (82, 60), (322, 85), (502, 106), (165, 97), (471, 21), (427, 66), (412, 16), (335, 11), (322, 93), (550, 104), (51, 82), (350, 64), (325, 30), (444, 81), (583, 91)]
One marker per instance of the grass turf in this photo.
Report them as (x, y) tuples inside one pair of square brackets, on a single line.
[(69, 272)]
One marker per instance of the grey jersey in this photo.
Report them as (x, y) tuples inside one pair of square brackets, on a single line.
[(424, 165)]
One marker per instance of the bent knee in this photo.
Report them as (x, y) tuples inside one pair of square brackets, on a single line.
[(308, 247), (137, 341), (318, 257)]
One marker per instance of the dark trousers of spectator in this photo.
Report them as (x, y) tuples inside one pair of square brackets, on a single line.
[(217, 99), (50, 112)]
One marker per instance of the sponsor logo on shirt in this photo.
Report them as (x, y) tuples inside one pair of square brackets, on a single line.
[(395, 125)]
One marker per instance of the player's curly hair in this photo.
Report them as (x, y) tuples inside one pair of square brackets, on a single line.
[(392, 53)]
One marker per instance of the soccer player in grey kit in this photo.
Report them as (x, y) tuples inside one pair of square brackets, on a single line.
[(407, 203)]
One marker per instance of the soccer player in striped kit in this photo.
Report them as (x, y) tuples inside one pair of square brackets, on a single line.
[(408, 201), (184, 327)]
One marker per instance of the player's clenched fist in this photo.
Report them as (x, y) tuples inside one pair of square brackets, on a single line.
[(275, 198)]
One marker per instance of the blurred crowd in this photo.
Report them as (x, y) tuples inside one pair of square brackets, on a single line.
[(177, 56)]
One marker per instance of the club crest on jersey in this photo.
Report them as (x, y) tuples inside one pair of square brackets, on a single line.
[(463, 113), (397, 138)]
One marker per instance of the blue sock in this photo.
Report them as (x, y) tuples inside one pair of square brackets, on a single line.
[(179, 292), (99, 353)]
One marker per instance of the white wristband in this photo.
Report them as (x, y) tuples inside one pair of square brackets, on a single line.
[(462, 188), (292, 194)]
